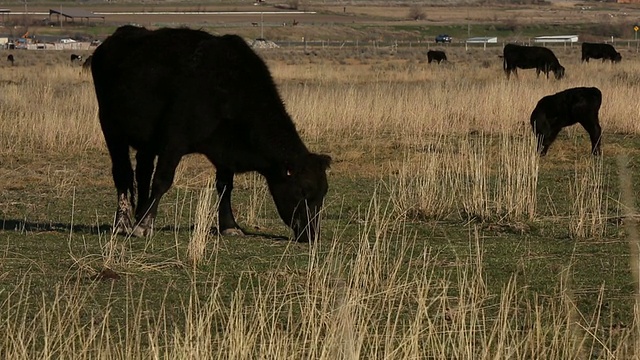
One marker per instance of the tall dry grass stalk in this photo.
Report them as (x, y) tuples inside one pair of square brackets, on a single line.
[(258, 193), (468, 176), (205, 216), (589, 211)]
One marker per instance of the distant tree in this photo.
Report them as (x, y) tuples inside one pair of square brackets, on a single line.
[(417, 13), (293, 4)]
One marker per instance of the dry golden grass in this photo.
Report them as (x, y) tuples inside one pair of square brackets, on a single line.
[(364, 307)]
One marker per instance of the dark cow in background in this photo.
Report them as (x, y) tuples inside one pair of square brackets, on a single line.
[(600, 51), (204, 94), (576, 105), (10, 59), (86, 66), (531, 57), (436, 55), (75, 58)]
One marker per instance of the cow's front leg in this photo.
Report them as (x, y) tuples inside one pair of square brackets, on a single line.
[(595, 133), (547, 139), (162, 181), (122, 224), (123, 180), (224, 185)]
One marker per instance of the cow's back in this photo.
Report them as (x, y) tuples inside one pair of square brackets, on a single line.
[(566, 105), (524, 57), (585, 98), (185, 82)]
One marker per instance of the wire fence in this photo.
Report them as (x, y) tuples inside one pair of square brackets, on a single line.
[(629, 44)]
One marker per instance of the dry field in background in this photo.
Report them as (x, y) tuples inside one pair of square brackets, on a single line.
[(444, 235), (356, 20)]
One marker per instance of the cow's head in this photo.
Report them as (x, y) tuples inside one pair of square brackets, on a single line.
[(558, 72), (298, 191), (617, 57)]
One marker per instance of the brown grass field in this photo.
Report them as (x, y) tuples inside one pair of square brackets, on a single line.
[(444, 234)]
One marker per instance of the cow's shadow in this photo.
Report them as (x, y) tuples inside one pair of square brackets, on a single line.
[(102, 229), (39, 227)]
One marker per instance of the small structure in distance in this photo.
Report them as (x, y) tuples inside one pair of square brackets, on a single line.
[(484, 40), (563, 39), (74, 14)]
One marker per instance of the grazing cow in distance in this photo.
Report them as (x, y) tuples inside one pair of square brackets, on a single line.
[(531, 57), (436, 55), (199, 96), (576, 105), (600, 51), (10, 59), (75, 58)]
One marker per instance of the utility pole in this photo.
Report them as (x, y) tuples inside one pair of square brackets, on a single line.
[(468, 25), (26, 11)]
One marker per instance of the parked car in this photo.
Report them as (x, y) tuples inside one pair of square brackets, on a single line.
[(443, 38)]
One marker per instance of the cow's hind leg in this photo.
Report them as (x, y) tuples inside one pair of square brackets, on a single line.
[(123, 179), (508, 71), (162, 181), (144, 171), (224, 185)]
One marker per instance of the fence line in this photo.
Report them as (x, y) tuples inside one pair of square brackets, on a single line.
[(394, 45)]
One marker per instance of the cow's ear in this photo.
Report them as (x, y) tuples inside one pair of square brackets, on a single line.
[(323, 160)]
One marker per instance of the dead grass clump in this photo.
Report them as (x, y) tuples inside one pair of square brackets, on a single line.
[(463, 179), (589, 211)]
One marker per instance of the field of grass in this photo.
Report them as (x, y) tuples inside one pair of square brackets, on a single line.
[(444, 235)]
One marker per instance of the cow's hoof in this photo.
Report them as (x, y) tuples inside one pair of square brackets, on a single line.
[(232, 232), (142, 231), (144, 228), (121, 229)]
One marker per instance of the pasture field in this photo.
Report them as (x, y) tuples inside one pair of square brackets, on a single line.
[(444, 235)]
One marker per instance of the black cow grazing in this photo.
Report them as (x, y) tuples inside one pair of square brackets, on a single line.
[(86, 66), (531, 57), (436, 55), (575, 105), (600, 51), (202, 94), (10, 59), (76, 58)]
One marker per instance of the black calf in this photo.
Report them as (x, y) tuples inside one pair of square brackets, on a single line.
[(575, 105)]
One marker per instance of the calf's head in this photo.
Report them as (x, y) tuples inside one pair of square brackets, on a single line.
[(298, 191)]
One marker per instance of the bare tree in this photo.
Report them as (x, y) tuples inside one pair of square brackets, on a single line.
[(417, 13)]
